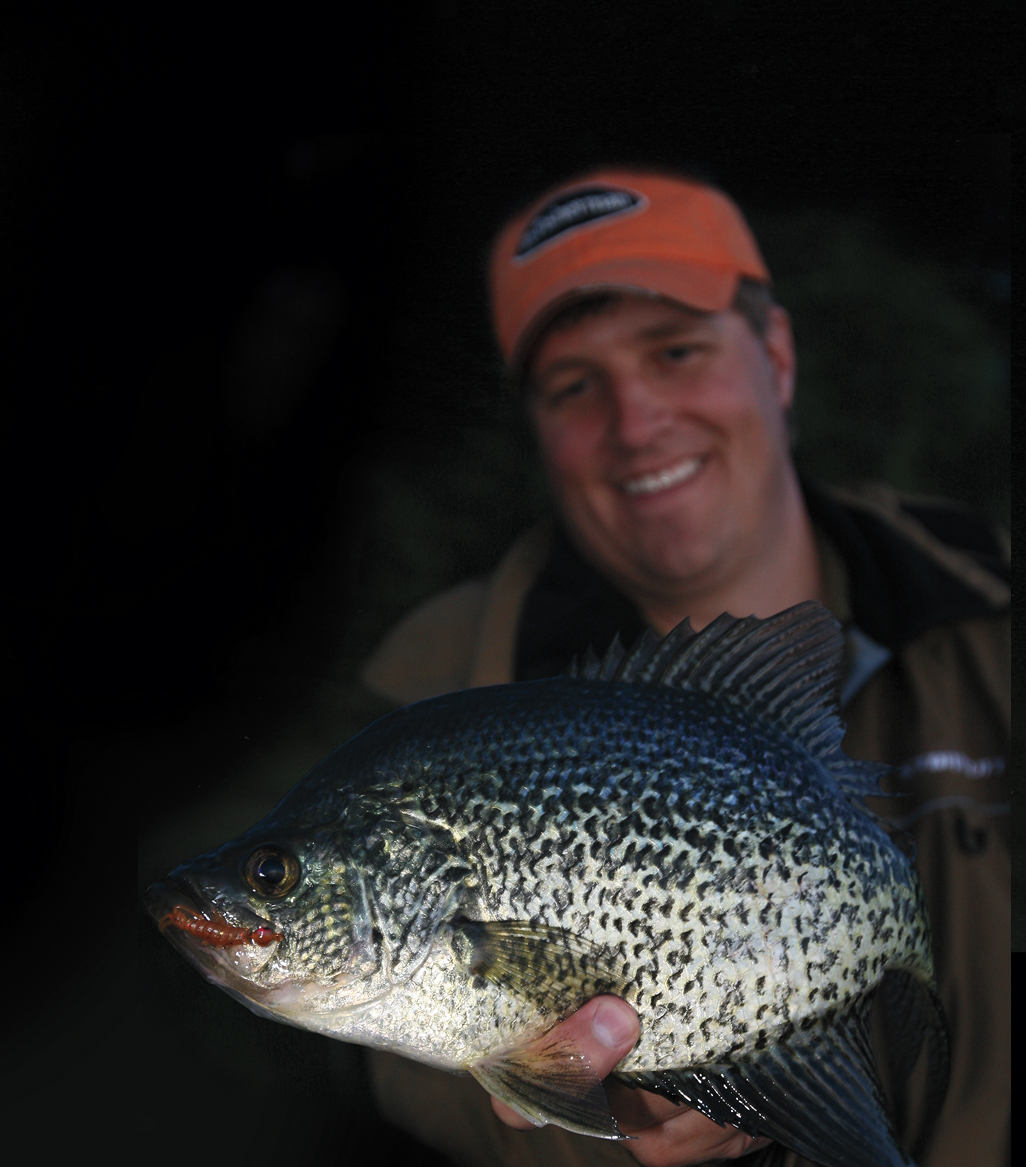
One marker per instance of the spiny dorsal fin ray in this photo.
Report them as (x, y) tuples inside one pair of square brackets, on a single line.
[(592, 665), (611, 661), (816, 1093), (667, 649), (637, 658), (785, 670)]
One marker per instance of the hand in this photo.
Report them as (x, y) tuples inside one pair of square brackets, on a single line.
[(665, 1135)]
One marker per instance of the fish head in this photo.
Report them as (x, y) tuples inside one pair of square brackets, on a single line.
[(324, 907), (279, 918)]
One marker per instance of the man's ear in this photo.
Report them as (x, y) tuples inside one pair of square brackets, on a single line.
[(779, 345)]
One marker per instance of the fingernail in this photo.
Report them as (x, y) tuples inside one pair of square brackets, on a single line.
[(612, 1025)]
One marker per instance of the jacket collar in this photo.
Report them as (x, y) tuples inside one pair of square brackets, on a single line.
[(911, 565)]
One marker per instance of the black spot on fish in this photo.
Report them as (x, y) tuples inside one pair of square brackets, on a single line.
[(767, 848)]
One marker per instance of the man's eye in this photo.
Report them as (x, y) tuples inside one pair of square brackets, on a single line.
[(569, 391), (678, 352)]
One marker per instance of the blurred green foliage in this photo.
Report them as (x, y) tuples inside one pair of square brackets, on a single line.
[(901, 377)]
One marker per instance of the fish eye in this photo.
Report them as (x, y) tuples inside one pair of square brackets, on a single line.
[(272, 871)]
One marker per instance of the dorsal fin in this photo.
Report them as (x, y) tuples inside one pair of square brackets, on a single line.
[(611, 661), (637, 657), (785, 670), (591, 666)]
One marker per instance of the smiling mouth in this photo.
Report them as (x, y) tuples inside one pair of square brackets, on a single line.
[(653, 483)]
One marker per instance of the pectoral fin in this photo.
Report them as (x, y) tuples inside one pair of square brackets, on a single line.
[(551, 967), (550, 1081)]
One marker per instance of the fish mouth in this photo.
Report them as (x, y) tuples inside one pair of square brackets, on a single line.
[(663, 479), (176, 906)]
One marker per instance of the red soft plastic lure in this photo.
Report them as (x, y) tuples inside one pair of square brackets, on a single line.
[(217, 931)]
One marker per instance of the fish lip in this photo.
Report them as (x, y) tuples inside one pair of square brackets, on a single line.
[(162, 898), (177, 892)]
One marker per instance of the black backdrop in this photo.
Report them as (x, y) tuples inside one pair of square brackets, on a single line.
[(185, 471)]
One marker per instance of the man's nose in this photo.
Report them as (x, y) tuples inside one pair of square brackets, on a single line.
[(640, 411)]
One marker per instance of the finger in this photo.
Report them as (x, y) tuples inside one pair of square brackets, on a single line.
[(637, 1109), (510, 1117), (604, 1030), (689, 1137)]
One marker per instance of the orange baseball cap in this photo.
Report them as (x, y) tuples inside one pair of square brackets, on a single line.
[(618, 229)]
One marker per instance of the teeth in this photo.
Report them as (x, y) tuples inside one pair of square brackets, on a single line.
[(654, 482)]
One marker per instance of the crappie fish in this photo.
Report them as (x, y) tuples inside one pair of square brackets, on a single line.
[(676, 825)]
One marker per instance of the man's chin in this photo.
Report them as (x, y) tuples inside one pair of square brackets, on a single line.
[(671, 553), (651, 575)]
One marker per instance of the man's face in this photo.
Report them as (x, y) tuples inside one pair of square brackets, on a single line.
[(665, 438)]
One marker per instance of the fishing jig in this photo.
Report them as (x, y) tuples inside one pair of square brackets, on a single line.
[(217, 931)]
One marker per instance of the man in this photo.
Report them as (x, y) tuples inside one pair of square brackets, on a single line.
[(634, 312)]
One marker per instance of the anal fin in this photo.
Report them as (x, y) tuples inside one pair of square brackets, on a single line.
[(550, 1081)]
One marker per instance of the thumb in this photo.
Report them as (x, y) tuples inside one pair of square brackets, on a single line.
[(605, 1030)]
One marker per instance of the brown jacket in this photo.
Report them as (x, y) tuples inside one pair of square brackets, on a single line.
[(945, 686)]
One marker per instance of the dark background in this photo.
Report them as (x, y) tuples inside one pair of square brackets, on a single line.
[(252, 412)]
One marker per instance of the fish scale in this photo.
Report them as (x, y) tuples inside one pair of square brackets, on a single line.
[(677, 825), (478, 783)]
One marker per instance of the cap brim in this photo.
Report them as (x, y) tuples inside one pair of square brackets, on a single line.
[(704, 289)]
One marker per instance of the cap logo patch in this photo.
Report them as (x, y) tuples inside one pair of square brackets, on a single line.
[(574, 210)]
